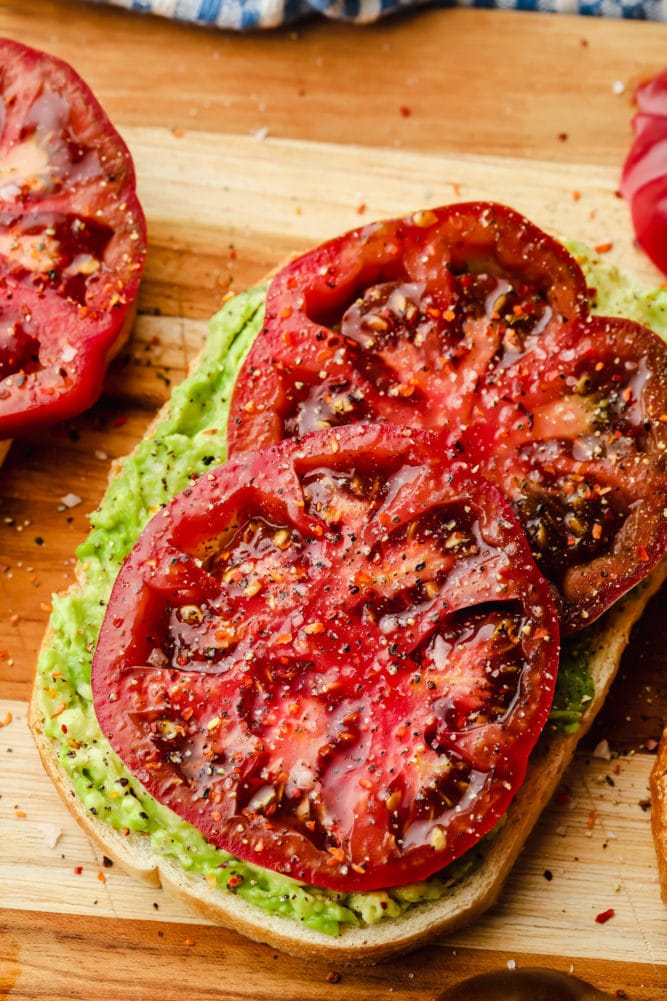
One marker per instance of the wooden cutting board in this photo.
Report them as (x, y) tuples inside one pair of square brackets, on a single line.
[(247, 148)]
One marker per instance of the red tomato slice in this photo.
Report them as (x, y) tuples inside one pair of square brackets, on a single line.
[(651, 97), (332, 656), (647, 158), (72, 241), (470, 320), (644, 176)]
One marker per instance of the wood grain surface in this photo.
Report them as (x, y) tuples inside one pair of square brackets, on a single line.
[(247, 148)]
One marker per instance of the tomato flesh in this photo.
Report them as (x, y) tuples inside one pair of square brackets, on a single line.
[(471, 321), (332, 656), (644, 176), (72, 241)]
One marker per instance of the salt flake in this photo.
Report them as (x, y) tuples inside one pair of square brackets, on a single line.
[(51, 834), (71, 500)]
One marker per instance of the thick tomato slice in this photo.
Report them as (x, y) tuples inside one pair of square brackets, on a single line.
[(72, 241), (332, 656), (470, 320), (644, 176)]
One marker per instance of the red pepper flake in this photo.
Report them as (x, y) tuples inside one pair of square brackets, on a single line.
[(118, 422), (562, 798), (604, 248), (177, 132), (333, 977), (234, 881), (405, 111), (576, 195), (102, 878), (642, 554), (7, 720), (20, 813), (78, 869), (189, 941), (604, 916), (590, 820), (361, 208)]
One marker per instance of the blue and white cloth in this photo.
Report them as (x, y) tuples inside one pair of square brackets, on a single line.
[(247, 14)]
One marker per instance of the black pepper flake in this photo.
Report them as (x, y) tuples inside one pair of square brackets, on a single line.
[(333, 977), (548, 875), (39, 540), (106, 862)]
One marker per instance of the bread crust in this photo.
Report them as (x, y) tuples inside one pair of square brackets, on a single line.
[(475, 893), (658, 787)]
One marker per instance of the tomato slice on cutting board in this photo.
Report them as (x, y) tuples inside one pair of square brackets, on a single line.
[(470, 320), (644, 176), (332, 656), (72, 241)]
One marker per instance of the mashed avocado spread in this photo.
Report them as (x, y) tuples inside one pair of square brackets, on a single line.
[(182, 446)]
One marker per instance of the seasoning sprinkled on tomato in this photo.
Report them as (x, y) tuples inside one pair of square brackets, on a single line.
[(333, 663), (470, 320), (72, 241)]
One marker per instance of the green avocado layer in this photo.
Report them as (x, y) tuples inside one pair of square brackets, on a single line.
[(182, 446)]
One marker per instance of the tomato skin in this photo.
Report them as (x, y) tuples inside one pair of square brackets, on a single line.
[(644, 175), (452, 320), (332, 656), (72, 241)]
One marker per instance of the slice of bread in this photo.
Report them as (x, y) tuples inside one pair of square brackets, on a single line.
[(475, 890)]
